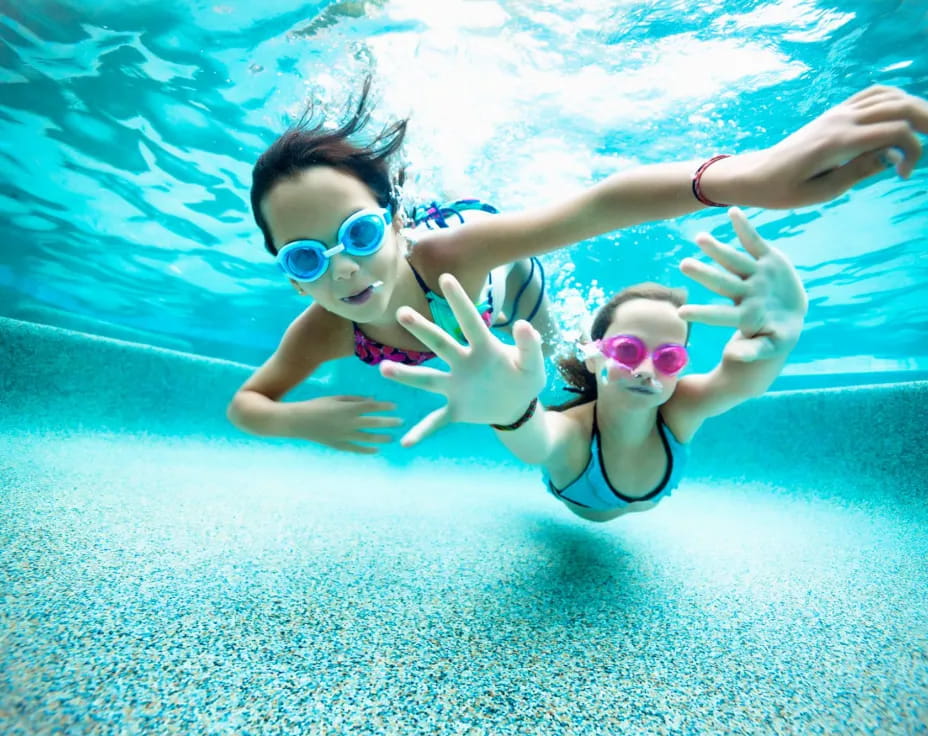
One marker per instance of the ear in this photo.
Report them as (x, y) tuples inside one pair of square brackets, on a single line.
[(399, 220), (590, 364), (590, 355)]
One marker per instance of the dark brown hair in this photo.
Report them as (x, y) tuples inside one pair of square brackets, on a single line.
[(309, 144), (573, 369)]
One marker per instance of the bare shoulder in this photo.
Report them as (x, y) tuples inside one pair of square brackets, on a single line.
[(449, 251), (317, 331), (681, 412), (572, 429), (579, 418), (314, 337)]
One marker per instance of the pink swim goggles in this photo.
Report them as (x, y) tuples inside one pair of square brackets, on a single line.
[(629, 352)]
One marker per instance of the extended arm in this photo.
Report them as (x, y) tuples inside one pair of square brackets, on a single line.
[(339, 422), (848, 143), (768, 307), (489, 382)]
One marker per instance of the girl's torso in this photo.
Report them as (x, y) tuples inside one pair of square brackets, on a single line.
[(518, 289), (427, 260), (599, 479)]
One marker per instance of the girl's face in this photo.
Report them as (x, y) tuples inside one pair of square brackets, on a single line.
[(655, 322), (312, 205)]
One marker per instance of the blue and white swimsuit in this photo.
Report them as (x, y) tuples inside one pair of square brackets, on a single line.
[(592, 489)]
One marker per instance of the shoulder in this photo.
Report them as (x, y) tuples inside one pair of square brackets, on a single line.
[(313, 338), (319, 332), (573, 429), (681, 412), (580, 417), (448, 251)]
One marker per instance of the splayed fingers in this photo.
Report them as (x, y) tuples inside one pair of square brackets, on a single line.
[(751, 240), (528, 343), (473, 327), (487, 379), (417, 376), (717, 315), (721, 282), (742, 265), (429, 334), (428, 425)]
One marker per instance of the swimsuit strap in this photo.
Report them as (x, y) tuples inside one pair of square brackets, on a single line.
[(535, 263), (422, 285), (436, 213), (431, 295)]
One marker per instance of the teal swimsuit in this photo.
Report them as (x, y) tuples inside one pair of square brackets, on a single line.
[(373, 352), (489, 303), (592, 489)]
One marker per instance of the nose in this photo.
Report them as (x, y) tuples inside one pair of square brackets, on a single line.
[(343, 267), (645, 368)]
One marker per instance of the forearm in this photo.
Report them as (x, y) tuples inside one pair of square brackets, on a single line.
[(257, 414), (531, 442), (744, 381), (662, 191)]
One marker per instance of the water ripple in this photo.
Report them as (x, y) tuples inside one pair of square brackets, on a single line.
[(128, 133)]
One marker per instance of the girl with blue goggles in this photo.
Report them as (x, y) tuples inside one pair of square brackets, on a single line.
[(361, 234)]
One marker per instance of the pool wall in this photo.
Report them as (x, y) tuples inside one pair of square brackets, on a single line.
[(160, 572), (55, 378)]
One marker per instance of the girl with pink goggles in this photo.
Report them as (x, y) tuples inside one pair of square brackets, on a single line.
[(630, 352)]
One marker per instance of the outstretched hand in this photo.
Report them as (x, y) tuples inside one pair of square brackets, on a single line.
[(489, 382), (860, 137), (769, 301)]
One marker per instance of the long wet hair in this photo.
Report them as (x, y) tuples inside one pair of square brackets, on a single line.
[(310, 143), (573, 369)]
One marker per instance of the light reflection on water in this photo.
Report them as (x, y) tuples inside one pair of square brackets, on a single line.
[(131, 147)]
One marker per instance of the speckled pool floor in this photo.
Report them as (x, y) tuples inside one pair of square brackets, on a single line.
[(193, 586)]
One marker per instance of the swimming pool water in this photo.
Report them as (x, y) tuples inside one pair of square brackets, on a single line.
[(162, 573), (128, 137)]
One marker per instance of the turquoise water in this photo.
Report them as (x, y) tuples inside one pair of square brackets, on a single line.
[(128, 133), (162, 573)]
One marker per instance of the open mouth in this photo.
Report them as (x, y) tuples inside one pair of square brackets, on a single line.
[(360, 297)]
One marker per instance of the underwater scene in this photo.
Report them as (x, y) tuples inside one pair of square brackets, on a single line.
[(241, 494)]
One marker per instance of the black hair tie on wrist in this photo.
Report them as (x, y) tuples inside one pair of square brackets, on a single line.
[(521, 420)]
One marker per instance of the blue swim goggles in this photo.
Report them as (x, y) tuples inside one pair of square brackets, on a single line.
[(361, 234)]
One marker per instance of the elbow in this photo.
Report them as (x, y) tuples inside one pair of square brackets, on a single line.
[(235, 413), (232, 413)]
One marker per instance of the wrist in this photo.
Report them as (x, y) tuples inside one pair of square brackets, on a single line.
[(520, 420)]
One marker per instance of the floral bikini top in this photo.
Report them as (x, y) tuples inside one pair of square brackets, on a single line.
[(373, 352)]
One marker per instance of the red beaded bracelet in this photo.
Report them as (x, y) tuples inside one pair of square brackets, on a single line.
[(697, 181), (520, 421)]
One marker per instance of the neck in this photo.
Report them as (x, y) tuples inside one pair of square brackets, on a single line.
[(405, 292), (622, 424)]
